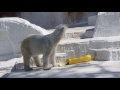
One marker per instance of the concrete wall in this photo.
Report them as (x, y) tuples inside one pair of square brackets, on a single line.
[(107, 24), (49, 20), (43, 19), (92, 20)]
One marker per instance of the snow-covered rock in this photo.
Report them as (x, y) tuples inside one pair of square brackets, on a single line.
[(88, 34), (12, 32)]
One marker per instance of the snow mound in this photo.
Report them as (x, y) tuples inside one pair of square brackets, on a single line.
[(13, 31)]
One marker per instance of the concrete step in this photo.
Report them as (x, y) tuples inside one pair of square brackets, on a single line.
[(105, 54), (104, 48), (105, 42), (73, 47), (74, 32)]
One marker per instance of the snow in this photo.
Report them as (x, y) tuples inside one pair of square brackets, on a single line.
[(7, 66), (92, 69)]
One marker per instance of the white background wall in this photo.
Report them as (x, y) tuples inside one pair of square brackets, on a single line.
[(43, 19), (49, 20)]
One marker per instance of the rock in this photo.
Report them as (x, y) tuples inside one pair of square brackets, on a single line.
[(12, 32), (88, 34)]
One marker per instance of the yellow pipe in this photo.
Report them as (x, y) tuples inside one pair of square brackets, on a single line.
[(79, 59)]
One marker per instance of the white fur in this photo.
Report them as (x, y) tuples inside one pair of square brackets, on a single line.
[(35, 45)]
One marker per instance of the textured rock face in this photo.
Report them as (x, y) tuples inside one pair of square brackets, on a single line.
[(105, 48), (12, 32), (106, 42), (107, 24)]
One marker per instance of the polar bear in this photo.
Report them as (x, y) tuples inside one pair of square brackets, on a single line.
[(34, 45)]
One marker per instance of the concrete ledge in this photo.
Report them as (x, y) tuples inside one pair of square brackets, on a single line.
[(105, 42), (79, 46), (105, 54)]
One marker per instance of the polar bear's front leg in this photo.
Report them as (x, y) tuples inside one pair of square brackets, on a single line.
[(52, 59), (46, 57)]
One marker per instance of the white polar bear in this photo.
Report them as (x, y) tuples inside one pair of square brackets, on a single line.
[(35, 45)]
